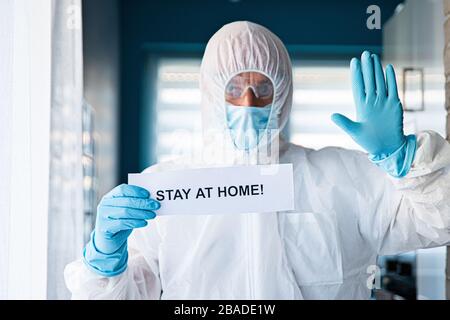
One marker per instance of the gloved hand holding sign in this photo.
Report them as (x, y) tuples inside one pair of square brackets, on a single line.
[(120, 211), (379, 115)]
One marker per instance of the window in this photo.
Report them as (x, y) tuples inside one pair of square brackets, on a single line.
[(178, 114), (318, 92)]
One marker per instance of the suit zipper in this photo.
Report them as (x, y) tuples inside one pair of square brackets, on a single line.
[(250, 257)]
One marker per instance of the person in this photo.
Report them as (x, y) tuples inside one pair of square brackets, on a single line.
[(350, 207)]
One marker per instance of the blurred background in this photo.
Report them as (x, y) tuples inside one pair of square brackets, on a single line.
[(123, 81)]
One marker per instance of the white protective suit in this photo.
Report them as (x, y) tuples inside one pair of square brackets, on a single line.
[(348, 211)]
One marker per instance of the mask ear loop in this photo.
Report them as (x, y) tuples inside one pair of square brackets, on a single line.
[(269, 121)]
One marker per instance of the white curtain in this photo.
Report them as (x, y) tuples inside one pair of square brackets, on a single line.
[(25, 122), (41, 209), (6, 66)]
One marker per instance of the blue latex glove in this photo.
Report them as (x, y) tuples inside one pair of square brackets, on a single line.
[(379, 114), (120, 211)]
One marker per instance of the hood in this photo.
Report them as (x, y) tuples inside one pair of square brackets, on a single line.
[(238, 47)]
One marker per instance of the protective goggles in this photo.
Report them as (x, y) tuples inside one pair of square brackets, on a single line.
[(261, 86)]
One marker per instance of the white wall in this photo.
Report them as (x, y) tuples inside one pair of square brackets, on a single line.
[(414, 37)]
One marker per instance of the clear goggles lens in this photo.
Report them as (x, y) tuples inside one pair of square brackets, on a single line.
[(261, 86)]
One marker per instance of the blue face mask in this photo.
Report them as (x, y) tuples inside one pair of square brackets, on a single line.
[(247, 124)]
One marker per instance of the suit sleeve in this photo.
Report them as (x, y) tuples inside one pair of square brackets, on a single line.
[(139, 281), (413, 212)]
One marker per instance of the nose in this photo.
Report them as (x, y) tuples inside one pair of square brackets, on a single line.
[(249, 98)]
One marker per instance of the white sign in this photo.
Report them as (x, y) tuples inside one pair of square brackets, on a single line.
[(240, 189)]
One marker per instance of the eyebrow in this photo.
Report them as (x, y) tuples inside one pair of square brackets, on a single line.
[(266, 80)]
